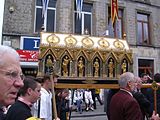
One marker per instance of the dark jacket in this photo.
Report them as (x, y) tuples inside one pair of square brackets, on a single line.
[(150, 97), (2, 115), (124, 107), (110, 94), (18, 111), (144, 103), (62, 107)]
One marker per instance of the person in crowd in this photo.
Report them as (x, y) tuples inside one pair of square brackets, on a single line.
[(62, 103), (78, 99), (93, 91), (88, 99), (97, 92), (150, 94), (142, 100), (43, 107), (11, 77), (111, 92), (123, 106), (105, 99), (145, 78), (28, 94)]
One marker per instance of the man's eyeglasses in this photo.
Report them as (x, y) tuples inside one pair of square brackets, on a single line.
[(14, 74)]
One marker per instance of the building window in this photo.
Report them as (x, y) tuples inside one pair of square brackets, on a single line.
[(85, 21), (49, 22), (115, 30), (146, 66), (143, 29)]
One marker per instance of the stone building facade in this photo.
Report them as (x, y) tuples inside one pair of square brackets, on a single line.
[(20, 20)]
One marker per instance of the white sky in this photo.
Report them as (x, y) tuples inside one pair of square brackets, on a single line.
[(1, 18)]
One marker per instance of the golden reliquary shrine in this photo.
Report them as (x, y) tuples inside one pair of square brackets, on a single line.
[(83, 60)]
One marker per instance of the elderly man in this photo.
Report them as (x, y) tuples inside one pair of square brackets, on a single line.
[(142, 100), (123, 106), (11, 77), (28, 94)]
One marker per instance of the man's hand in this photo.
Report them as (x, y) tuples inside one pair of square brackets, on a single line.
[(56, 119), (155, 116)]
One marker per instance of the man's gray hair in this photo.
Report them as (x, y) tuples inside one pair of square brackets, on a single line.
[(125, 78), (5, 50)]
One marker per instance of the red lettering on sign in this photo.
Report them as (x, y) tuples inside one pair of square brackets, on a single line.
[(28, 55)]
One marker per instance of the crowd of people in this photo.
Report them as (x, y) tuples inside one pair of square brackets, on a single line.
[(28, 97), (85, 99), (131, 101)]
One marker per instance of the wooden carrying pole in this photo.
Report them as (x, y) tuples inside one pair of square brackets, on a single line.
[(155, 101), (54, 108), (155, 88), (50, 66)]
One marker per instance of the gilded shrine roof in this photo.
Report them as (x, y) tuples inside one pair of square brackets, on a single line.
[(86, 41)]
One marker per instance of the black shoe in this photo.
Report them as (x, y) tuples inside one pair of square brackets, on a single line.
[(101, 103)]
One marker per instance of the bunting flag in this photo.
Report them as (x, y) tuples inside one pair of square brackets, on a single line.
[(110, 28), (44, 7), (118, 29), (79, 4), (114, 10)]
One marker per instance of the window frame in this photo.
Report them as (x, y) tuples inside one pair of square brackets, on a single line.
[(145, 68), (83, 13), (142, 22), (45, 20)]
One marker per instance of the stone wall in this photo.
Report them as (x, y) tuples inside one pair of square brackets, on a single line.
[(64, 20), (21, 22)]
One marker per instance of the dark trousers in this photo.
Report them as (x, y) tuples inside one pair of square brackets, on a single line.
[(79, 105), (99, 99)]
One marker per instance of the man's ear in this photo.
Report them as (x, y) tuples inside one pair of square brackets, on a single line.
[(29, 91), (129, 84)]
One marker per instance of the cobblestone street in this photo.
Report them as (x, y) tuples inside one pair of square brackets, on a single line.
[(97, 114)]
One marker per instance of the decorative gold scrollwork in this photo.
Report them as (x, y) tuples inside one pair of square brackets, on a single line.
[(53, 39), (154, 85), (70, 41), (103, 43), (87, 42), (89, 81), (118, 45)]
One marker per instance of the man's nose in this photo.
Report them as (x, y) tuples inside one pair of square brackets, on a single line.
[(19, 83)]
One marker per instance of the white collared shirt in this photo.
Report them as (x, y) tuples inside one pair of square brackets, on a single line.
[(45, 105), (126, 91)]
